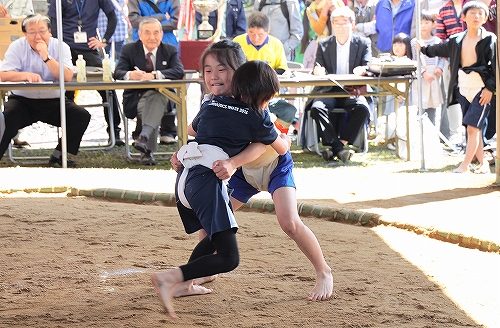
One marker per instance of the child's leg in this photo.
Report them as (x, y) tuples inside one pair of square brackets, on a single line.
[(474, 144), (285, 203), (226, 259), (164, 282), (206, 263), (192, 287)]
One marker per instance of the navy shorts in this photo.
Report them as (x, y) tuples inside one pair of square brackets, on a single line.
[(473, 113), (282, 176)]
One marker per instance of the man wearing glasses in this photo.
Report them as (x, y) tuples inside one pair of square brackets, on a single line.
[(35, 58)]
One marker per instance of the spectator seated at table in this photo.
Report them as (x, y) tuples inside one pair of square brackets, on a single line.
[(148, 59), (167, 13), (257, 44), (35, 58), (341, 53), (16, 9)]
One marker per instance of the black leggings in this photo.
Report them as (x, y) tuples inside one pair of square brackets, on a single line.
[(203, 262)]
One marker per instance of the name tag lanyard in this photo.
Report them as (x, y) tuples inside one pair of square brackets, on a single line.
[(79, 9), (80, 37)]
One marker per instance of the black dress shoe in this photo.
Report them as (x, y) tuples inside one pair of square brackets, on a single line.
[(119, 143), (54, 160), (327, 154), (141, 144), (345, 155), (147, 158), (20, 143)]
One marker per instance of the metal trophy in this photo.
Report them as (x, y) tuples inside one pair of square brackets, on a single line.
[(205, 30)]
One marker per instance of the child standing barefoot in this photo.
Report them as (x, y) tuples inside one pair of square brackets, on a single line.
[(202, 198), (472, 56)]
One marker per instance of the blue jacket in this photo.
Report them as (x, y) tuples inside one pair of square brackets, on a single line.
[(387, 26), (236, 22), (141, 8)]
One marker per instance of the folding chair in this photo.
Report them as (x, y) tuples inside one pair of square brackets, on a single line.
[(34, 160), (308, 133)]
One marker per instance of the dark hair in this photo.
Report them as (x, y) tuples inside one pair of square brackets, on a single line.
[(254, 83), (428, 16), (475, 5), (34, 18), (227, 52), (258, 20), (403, 38)]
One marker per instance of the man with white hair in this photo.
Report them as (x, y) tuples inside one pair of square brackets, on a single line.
[(340, 53)]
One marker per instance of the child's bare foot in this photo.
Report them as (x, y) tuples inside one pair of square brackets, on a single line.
[(164, 283), (462, 168), (204, 280), (189, 288), (323, 289)]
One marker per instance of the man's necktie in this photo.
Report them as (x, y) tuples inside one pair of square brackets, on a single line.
[(149, 63)]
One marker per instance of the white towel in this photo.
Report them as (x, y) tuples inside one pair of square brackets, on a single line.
[(193, 154)]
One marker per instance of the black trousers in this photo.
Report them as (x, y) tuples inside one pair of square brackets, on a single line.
[(20, 112), (333, 127), (93, 59)]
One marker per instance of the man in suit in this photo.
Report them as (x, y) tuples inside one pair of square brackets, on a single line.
[(148, 59), (341, 53), (167, 13)]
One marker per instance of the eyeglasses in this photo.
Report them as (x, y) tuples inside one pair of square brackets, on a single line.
[(41, 33)]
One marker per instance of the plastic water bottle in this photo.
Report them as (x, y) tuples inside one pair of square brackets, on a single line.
[(106, 69), (81, 70)]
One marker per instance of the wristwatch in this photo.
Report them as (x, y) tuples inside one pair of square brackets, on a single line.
[(104, 41), (154, 75), (48, 58)]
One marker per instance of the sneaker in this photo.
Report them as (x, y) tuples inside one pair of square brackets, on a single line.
[(54, 160), (167, 140), (327, 154), (345, 155), (147, 158), (141, 144)]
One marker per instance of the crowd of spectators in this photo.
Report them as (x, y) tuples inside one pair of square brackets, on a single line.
[(296, 27)]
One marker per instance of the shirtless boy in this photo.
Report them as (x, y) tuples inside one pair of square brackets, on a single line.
[(472, 56)]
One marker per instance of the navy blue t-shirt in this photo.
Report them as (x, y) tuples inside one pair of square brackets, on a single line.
[(72, 11), (229, 124)]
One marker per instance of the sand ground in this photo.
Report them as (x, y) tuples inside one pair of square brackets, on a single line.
[(85, 262)]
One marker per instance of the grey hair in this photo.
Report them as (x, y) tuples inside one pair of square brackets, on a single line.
[(343, 12), (35, 19), (150, 20)]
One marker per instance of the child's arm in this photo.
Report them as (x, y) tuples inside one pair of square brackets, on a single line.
[(174, 161), (282, 144), (438, 71), (191, 132), (223, 169), (439, 50)]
